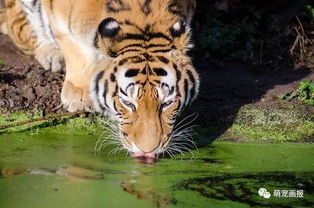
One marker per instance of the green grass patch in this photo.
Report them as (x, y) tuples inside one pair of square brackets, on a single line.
[(36, 122), (272, 133)]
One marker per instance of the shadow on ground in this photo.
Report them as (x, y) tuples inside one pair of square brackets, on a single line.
[(226, 88)]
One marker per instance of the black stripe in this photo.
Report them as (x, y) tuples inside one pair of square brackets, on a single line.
[(178, 76), (115, 106), (138, 45), (96, 40), (131, 36), (193, 81), (178, 73), (157, 45), (157, 81), (159, 35), (112, 54), (115, 91), (163, 59), (124, 93), (191, 76), (105, 93), (147, 28), (131, 46), (98, 77), (127, 22), (138, 60), (123, 61), (129, 85), (131, 73), (186, 91), (147, 56), (146, 37), (144, 71), (129, 50), (161, 51), (171, 91), (160, 71), (112, 77)]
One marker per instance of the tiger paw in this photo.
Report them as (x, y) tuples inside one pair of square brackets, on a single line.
[(50, 58), (75, 98)]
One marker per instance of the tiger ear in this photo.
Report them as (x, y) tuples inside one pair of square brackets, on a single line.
[(108, 28), (183, 8)]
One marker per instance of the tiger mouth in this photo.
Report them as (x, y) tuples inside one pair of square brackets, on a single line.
[(144, 155), (147, 158)]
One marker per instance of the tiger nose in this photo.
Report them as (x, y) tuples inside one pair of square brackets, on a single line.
[(146, 149)]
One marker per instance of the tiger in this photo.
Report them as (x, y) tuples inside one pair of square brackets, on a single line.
[(126, 59)]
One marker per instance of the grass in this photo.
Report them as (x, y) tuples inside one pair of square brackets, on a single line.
[(72, 125)]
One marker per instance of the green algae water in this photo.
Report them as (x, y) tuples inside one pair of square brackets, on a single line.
[(54, 170)]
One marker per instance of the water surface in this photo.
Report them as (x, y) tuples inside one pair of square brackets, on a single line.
[(45, 170)]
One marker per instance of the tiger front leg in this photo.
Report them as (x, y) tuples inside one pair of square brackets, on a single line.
[(75, 96), (79, 72), (75, 89), (50, 57)]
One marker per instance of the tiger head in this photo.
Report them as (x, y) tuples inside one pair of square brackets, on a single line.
[(147, 78)]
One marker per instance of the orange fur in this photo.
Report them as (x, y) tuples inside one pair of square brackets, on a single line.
[(145, 43)]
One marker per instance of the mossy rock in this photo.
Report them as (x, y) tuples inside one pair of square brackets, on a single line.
[(274, 115), (284, 123)]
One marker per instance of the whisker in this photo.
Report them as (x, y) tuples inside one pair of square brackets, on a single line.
[(187, 129), (184, 125), (176, 149), (184, 147), (175, 126)]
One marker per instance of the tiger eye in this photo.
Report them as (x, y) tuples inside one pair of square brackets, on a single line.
[(108, 28)]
